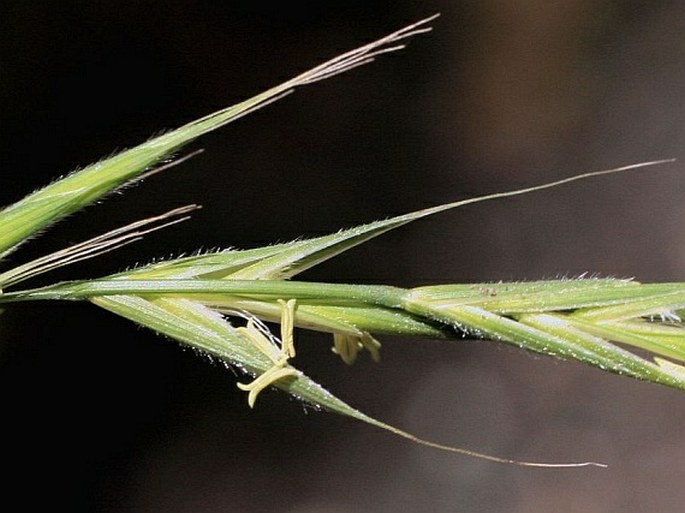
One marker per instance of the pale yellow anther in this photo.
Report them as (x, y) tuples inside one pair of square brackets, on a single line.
[(278, 355), (268, 378), (260, 341), (347, 346), (372, 345), (288, 326)]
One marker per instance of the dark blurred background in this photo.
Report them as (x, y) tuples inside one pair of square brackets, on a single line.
[(98, 415)]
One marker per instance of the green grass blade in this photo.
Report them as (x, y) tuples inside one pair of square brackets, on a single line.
[(46, 206), (209, 333), (551, 335), (658, 339), (302, 255), (355, 309), (612, 295), (283, 261), (606, 356), (206, 331), (352, 319), (660, 303)]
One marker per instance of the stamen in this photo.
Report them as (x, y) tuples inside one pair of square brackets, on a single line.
[(372, 345), (261, 342), (272, 375), (348, 346), (278, 355), (288, 326)]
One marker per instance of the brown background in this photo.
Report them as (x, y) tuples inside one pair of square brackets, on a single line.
[(101, 416)]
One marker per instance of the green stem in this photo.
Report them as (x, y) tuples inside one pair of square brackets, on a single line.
[(381, 295)]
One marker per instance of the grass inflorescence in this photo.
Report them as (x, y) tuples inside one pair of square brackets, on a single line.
[(217, 302)]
